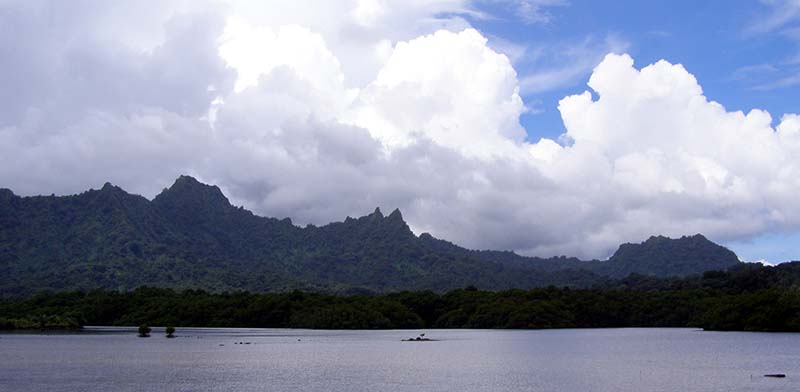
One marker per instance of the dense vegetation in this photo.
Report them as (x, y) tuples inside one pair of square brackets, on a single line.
[(749, 297), (191, 237)]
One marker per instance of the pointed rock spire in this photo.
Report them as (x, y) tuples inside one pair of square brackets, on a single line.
[(109, 187), (396, 215)]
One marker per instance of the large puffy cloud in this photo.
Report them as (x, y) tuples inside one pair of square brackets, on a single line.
[(360, 32), (674, 161), (449, 87), (334, 113)]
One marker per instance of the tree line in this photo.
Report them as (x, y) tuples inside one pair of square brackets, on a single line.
[(747, 299)]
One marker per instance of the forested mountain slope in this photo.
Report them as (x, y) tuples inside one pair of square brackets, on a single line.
[(190, 236)]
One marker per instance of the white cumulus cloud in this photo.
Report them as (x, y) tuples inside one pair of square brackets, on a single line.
[(448, 87)]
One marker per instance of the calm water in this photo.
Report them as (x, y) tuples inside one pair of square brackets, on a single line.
[(463, 360)]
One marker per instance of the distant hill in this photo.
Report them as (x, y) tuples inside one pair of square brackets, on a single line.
[(662, 256), (190, 236)]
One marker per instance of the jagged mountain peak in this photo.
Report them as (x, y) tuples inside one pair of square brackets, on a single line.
[(396, 215), (188, 180), (655, 239), (377, 216), (111, 188), (187, 189), (394, 218), (186, 183), (376, 225), (660, 240), (696, 237), (110, 193)]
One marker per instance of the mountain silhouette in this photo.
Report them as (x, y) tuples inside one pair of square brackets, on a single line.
[(190, 236)]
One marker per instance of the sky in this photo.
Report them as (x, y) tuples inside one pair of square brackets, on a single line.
[(548, 127)]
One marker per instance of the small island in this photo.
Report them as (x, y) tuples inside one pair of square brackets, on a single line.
[(144, 331), (420, 338)]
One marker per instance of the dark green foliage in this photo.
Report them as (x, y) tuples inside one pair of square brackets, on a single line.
[(144, 331), (191, 237), (751, 298), (170, 331), (41, 322)]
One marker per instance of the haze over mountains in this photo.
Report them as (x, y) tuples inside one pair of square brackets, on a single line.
[(190, 236)]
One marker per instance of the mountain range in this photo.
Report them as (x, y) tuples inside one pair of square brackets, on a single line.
[(190, 236)]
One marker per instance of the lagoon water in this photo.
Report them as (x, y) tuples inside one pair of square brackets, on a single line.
[(112, 359)]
